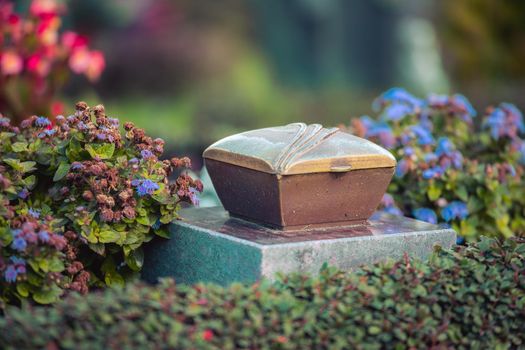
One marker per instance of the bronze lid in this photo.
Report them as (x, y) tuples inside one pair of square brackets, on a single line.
[(299, 149)]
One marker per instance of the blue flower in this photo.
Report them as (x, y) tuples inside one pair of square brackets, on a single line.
[(454, 210), (457, 159), (34, 213), (194, 197), (43, 236), (146, 154), (101, 136), (133, 161), (17, 261), (433, 172), (424, 137), (383, 132), (156, 225), (496, 123), (81, 126), (77, 166), (10, 274), (42, 122), (397, 112), (444, 147), (396, 96), (437, 100), (393, 210), (521, 149), (402, 168), (408, 151), (23, 194), (461, 102), (425, 214), (430, 157), (145, 187), (514, 115), (19, 244), (16, 232), (387, 200)]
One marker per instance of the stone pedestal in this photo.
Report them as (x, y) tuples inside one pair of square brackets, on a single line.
[(210, 246)]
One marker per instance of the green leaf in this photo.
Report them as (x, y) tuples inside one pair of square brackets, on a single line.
[(62, 171), (162, 233), (47, 296), (19, 147), (462, 193), (102, 151), (28, 166), (110, 236), (434, 192), (135, 259), (144, 220), (22, 289)]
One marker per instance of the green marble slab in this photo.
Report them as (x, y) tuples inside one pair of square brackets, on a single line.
[(210, 246)]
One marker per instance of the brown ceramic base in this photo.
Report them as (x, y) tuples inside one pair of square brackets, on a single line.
[(299, 201)]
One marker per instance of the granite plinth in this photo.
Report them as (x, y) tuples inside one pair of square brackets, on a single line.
[(210, 246)]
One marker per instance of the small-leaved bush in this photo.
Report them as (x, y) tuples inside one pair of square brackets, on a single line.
[(78, 199), (471, 297), (452, 167)]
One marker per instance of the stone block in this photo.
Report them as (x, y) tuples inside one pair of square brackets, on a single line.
[(210, 246)]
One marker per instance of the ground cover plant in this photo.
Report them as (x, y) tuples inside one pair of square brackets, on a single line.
[(78, 199), (453, 167), (469, 297)]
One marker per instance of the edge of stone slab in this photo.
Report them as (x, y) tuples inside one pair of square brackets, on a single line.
[(327, 241)]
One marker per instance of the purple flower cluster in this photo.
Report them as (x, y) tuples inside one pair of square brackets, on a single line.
[(17, 267), (19, 243), (454, 210), (147, 154), (378, 130), (504, 121), (457, 104), (42, 122), (399, 103), (422, 134), (145, 186)]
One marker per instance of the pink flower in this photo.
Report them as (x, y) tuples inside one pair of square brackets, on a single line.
[(38, 65), (207, 335), (79, 60), (90, 63), (73, 41), (11, 63), (44, 8), (57, 108), (47, 30), (97, 64)]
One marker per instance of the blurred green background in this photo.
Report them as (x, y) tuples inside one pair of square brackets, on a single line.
[(193, 71)]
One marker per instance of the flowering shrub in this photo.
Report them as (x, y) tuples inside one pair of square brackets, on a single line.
[(78, 200), (450, 168), (35, 59)]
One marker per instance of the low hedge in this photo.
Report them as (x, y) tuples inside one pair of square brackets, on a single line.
[(469, 297)]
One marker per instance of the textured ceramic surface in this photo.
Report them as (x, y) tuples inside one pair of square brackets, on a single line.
[(210, 246), (299, 149)]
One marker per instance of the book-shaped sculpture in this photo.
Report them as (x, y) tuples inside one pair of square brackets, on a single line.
[(299, 176)]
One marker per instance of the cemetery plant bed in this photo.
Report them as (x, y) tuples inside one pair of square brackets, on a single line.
[(469, 297)]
